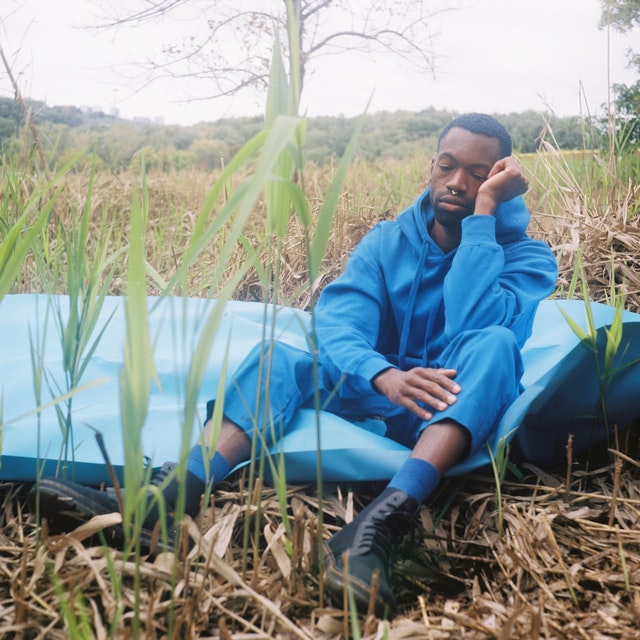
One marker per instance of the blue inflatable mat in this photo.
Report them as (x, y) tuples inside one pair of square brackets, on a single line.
[(561, 390)]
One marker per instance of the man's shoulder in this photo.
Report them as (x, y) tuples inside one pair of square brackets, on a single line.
[(383, 233)]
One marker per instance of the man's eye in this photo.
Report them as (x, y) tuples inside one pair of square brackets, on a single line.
[(480, 176), (444, 167)]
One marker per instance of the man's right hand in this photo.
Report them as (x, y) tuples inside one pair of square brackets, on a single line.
[(419, 389)]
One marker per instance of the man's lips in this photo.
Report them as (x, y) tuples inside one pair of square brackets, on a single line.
[(449, 203)]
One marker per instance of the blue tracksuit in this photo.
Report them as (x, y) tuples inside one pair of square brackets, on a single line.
[(402, 302)]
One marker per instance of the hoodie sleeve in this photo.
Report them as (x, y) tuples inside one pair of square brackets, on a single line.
[(497, 284), (352, 313)]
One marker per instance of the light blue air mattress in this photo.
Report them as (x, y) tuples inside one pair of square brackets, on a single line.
[(561, 390)]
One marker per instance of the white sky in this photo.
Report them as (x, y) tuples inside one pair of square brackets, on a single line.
[(498, 56)]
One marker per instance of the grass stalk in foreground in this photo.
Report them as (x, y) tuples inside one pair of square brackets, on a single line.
[(284, 195), (21, 223), (604, 362), (277, 169), (499, 465), (87, 285)]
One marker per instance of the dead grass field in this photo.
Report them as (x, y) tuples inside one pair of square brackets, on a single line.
[(566, 565), (557, 558)]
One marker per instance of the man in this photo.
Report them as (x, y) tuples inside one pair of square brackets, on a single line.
[(423, 329)]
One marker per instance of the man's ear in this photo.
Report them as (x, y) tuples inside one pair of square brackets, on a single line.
[(433, 162)]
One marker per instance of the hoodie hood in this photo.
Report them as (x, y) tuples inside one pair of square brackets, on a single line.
[(512, 219)]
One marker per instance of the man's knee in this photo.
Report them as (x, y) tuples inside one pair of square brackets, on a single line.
[(501, 339), (488, 341), (498, 346), (492, 349), (271, 360)]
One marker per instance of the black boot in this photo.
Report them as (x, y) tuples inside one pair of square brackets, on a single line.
[(369, 542), (66, 504)]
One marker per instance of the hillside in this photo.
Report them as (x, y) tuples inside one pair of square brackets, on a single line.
[(68, 132)]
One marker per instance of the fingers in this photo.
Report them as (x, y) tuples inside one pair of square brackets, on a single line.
[(506, 180), (420, 390), (434, 388), (510, 165)]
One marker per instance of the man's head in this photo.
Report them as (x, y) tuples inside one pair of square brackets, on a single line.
[(483, 125), (468, 148)]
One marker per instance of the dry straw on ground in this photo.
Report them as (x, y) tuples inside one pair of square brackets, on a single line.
[(566, 565)]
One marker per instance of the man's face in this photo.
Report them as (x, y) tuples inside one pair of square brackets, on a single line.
[(463, 163)]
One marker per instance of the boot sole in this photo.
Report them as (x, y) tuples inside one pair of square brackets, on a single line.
[(65, 509), (336, 586)]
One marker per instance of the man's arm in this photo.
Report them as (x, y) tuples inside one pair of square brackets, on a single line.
[(353, 315), (499, 274)]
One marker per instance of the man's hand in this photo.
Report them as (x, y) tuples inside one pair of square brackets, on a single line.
[(506, 180), (434, 388)]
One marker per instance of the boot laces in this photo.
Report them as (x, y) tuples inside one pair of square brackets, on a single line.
[(162, 474), (382, 531)]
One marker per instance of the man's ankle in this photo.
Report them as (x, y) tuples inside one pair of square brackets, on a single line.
[(213, 470)]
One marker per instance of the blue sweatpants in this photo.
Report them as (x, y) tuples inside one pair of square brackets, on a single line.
[(275, 380)]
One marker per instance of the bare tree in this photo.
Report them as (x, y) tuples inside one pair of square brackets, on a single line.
[(623, 16), (230, 45)]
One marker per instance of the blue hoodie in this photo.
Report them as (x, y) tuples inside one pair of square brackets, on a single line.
[(401, 300)]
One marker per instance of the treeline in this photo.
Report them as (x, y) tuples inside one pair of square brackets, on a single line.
[(69, 134)]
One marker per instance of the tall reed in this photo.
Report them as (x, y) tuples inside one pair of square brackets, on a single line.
[(25, 209)]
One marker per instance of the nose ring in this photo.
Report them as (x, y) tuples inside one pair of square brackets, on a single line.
[(454, 192)]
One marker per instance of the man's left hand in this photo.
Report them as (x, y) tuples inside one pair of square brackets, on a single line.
[(506, 180)]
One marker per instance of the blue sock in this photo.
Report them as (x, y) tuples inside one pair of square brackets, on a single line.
[(218, 466), (416, 477)]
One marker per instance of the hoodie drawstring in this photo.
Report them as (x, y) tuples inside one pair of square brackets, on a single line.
[(411, 303)]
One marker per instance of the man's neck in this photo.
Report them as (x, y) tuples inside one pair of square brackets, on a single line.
[(444, 238)]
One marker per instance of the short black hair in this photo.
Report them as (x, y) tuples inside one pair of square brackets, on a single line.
[(484, 125)]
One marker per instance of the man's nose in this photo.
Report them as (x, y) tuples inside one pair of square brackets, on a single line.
[(457, 181)]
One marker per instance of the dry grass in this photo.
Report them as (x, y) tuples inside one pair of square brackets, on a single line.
[(570, 212), (175, 201), (581, 206), (566, 565)]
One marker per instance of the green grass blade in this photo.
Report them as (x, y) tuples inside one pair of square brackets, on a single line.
[(327, 211), (138, 368), (575, 327)]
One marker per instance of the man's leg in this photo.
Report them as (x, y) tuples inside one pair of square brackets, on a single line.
[(233, 446), (488, 365), (289, 372), (439, 448), (370, 539), (268, 388)]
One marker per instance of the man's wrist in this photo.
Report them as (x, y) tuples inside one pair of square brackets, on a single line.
[(380, 377), (485, 205)]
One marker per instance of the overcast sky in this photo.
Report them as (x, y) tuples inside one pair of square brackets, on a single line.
[(499, 56)]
